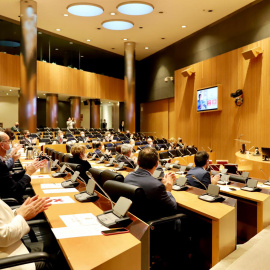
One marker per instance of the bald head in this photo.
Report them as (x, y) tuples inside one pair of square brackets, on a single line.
[(3, 136)]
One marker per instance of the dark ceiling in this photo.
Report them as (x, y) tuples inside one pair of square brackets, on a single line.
[(70, 53)]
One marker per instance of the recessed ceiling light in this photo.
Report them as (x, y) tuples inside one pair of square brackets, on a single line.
[(117, 25), (70, 42), (37, 97), (184, 26), (113, 13), (56, 49), (44, 94), (85, 9), (135, 8), (82, 56), (125, 39), (40, 33), (58, 29), (163, 38), (10, 90), (65, 15), (146, 48), (98, 28), (88, 40), (141, 27), (161, 12)]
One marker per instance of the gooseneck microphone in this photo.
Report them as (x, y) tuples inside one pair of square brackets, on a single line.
[(251, 148), (263, 173), (126, 158), (77, 176), (92, 178), (210, 149), (194, 177), (189, 152)]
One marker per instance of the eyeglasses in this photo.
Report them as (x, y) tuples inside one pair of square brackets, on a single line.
[(8, 141)]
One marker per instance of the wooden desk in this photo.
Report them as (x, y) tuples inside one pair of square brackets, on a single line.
[(252, 164), (216, 222), (124, 251), (253, 211)]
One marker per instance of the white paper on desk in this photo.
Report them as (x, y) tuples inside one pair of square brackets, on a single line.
[(227, 188), (87, 219), (39, 176), (61, 200), (54, 185), (70, 232), (263, 186), (60, 190)]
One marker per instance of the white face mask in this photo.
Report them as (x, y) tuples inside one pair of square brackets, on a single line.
[(9, 150), (83, 135), (102, 147), (61, 136)]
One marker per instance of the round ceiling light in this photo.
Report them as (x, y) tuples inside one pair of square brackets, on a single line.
[(135, 8), (117, 25), (85, 9)]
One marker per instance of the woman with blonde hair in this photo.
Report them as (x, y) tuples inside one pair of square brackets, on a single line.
[(78, 152)]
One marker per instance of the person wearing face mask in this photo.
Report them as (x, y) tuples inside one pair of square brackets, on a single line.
[(60, 137), (15, 128), (27, 139), (10, 187), (82, 137)]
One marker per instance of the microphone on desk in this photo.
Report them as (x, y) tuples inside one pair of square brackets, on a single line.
[(128, 161), (77, 176), (210, 149), (194, 177), (159, 148), (189, 152), (92, 178), (263, 173), (172, 156), (195, 148)]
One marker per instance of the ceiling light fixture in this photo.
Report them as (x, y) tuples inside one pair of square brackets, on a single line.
[(184, 26), (58, 29), (113, 13), (117, 25), (85, 9), (125, 39), (135, 8), (56, 49), (146, 48), (88, 40), (65, 15)]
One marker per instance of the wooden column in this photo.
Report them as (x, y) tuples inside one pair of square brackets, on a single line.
[(129, 86), (75, 110), (52, 110), (28, 66), (94, 113)]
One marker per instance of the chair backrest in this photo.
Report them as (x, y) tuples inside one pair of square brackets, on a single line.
[(68, 147), (232, 168), (112, 149), (96, 173), (110, 175), (61, 157), (56, 155), (136, 194), (67, 157), (180, 152), (164, 155), (173, 152)]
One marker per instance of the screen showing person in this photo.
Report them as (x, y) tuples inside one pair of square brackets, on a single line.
[(207, 99)]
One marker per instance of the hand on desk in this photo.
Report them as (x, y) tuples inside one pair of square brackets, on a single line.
[(168, 181), (33, 206), (215, 179)]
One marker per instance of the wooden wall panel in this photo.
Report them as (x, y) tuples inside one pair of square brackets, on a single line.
[(53, 78), (219, 129), (155, 118), (9, 70)]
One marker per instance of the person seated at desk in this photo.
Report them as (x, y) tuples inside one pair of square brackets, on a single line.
[(99, 147), (126, 157), (179, 143), (15, 128), (160, 202), (199, 177), (82, 137), (60, 137), (10, 187), (150, 143), (108, 137), (13, 227), (27, 139), (78, 152), (172, 143), (132, 143)]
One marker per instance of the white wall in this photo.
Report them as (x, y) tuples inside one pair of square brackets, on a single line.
[(85, 110), (106, 113), (9, 111)]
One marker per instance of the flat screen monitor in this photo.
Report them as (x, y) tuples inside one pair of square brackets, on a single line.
[(209, 99)]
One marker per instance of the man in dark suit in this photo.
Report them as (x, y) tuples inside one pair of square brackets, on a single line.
[(160, 201), (60, 137), (199, 177), (82, 137), (9, 187), (126, 151)]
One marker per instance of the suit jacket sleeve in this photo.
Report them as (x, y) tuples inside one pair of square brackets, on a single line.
[(206, 179), (167, 199)]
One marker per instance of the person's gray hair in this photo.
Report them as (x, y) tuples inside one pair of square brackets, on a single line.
[(2, 136), (126, 148)]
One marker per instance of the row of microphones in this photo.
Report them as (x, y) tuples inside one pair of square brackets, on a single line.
[(189, 152)]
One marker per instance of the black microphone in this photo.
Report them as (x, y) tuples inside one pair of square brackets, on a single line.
[(172, 156), (126, 158), (189, 152), (210, 149), (194, 177), (92, 178)]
